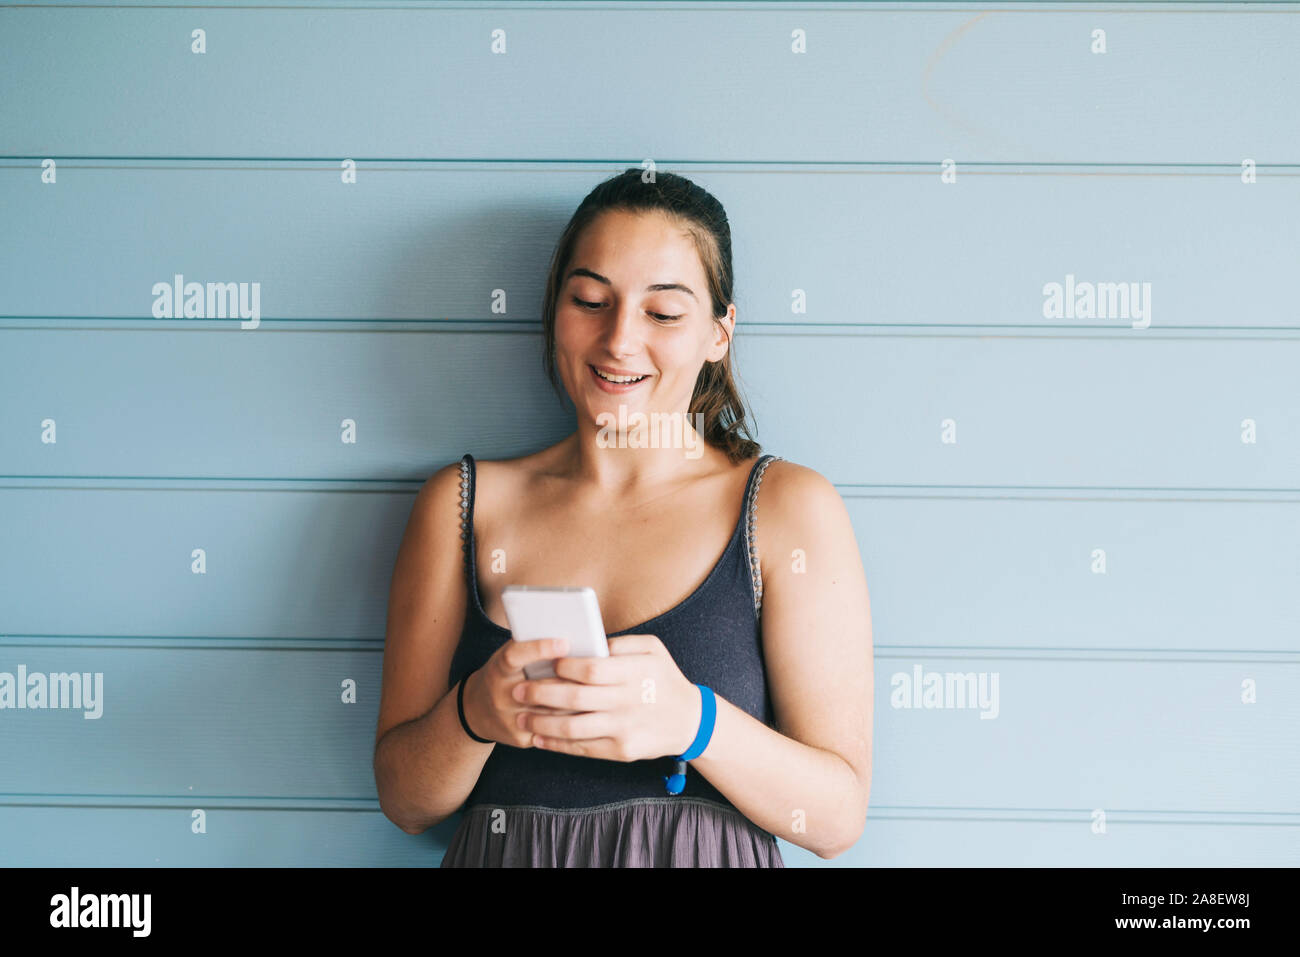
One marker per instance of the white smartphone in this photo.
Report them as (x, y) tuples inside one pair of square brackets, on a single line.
[(569, 613)]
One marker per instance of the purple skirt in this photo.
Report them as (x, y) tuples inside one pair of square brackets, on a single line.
[(644, 832)]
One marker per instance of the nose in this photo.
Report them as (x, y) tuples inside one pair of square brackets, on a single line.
[(622, 332)]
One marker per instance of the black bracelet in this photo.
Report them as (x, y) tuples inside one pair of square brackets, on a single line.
[(460, 708)]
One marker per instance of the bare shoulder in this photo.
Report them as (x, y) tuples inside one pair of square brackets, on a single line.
[(794, 497), (791, 475), (438, 499), (799, 512), (498, 482)]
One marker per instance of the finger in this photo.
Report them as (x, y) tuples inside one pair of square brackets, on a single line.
[(543, 709), (633, 644), (571, 727), (597, 671), (562, 694), (590, 748), (519, 653)]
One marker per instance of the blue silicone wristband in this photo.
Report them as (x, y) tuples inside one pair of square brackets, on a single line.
[(708, 716)]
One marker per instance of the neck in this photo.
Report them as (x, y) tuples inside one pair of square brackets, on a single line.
[(638, 452)]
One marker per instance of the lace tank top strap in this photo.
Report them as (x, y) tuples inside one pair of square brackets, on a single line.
[(467, 511), (751, 539)]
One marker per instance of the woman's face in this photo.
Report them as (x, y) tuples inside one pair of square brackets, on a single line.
[(634, 301)]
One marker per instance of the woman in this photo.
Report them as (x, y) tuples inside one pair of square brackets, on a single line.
[(762, 657)]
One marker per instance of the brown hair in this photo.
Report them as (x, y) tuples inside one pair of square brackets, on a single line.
[(716, 394)]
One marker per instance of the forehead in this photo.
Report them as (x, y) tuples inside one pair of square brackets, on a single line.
[(632, 246)]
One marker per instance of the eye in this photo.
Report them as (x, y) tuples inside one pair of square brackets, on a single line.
[(596, 305)]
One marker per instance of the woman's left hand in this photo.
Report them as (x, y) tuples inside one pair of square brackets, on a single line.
[(635, 704)]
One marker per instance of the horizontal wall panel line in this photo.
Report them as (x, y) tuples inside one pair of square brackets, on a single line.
[(1071, 816), (363, 486), (903, 493), (901, 809), (839, 6), (749, 327), (289, 802), (850, 489), (1111, 818), (1200, 7), (947, 650), (882, 651), (1101, 493), (205, 642), (1143, 655), (925, 167), (200, 802)]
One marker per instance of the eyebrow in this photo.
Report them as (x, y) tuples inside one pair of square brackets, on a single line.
[(657, 287)]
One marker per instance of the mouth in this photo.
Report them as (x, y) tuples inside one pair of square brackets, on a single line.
[(610, 381)]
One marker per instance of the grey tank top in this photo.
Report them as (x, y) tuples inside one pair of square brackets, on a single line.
[(532, 807)]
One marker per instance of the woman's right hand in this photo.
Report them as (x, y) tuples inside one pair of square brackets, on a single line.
[(490, 707)]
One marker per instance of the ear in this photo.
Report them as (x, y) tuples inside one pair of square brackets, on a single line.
[(718, 347)]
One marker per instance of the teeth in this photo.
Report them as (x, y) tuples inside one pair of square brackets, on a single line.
[(619, 378)]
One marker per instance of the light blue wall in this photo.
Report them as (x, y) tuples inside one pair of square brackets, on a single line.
[(1158, 693)]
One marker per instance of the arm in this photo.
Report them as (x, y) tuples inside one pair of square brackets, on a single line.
[(425, 764), (814, 771)]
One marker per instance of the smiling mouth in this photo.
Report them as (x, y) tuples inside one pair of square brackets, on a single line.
[(618, 379)]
